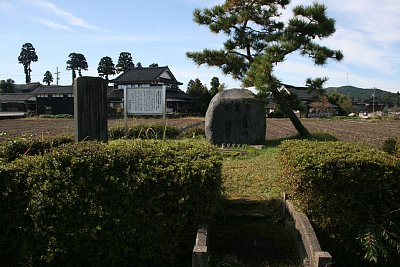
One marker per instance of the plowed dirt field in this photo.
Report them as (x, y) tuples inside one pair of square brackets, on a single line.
[(372, 133)]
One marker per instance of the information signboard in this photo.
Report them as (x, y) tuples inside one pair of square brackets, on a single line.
[(145, 100)]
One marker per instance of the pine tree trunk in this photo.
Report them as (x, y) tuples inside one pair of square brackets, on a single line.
[(278, 96)]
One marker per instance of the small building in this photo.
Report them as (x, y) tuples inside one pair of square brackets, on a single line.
[(177, 100), (371, 107), (17, 102), (303, 94), (376, 105), (308, 99), (54, 99)]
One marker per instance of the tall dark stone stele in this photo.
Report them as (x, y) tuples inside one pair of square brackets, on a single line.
[(90, 109), (235, 116)]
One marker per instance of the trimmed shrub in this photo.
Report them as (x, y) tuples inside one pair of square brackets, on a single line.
[(13, 149), (193, 132), (389, 146), (57, 116), (126, 203), (397, 149), (17, 244), (140, 131), (351, 194)]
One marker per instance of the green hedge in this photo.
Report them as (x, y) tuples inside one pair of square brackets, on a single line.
[(193, 132), (13, 149), (142, 131), (16, 148), (397, 148), (351, 194), (126, 203), (57, 116)]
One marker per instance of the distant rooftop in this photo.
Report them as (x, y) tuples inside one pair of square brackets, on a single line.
[(54, 89), (146, 75)]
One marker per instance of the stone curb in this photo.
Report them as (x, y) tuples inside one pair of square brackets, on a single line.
[(305, 238), (200, 250)]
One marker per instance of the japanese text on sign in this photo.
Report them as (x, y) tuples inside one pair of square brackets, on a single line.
[(145, 101)]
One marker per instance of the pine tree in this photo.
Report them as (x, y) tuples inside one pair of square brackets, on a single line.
[(48, 78), (257, 41), (215, 86), (125, 62), (26, 57), (106, 67), (76, 62)]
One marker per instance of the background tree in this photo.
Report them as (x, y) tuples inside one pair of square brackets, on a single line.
[(343, 102), (76, 62), (322, 107), (26, 57), (125, 62), (215, 86), (258, 41), (139, 65), (48, 78), (106, 67), (201, 96), (7, 86), (153, 65)]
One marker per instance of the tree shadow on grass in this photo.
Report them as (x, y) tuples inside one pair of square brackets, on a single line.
[(313, 137)]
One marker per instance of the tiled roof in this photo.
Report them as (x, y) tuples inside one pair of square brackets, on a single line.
[(54, 89), (145, 75), (178, 94), (377, 101), (26, 88), (302, 93), (14, 97)]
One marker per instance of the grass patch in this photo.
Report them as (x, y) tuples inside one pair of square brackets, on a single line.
[(252, 176), (250, 229)]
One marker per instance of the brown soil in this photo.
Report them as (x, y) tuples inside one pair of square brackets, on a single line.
[(44, 128), (372, 133)]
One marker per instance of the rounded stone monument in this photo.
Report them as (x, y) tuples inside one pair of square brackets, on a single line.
[(235, 116)]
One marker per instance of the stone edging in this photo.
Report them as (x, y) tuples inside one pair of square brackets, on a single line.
[(200, 250), (306, 241)]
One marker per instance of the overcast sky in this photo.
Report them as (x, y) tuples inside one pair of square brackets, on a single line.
[(154, 31)]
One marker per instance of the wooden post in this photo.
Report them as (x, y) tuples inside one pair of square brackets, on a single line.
[(90, 109)]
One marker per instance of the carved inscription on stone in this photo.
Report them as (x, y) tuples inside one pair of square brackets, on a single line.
[(235, 116)]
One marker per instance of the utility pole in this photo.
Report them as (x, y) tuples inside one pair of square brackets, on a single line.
[(57, 78), (373, 102)]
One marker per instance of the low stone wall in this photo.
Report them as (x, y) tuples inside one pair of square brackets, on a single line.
[(305, 239), (200, 250)]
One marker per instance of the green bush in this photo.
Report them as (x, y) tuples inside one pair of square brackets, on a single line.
[(16, 227), (389, 145), (397, 149), (57, 116), (140, 131), (193, 132), (126, 203), (13, 149), (351, 194)]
